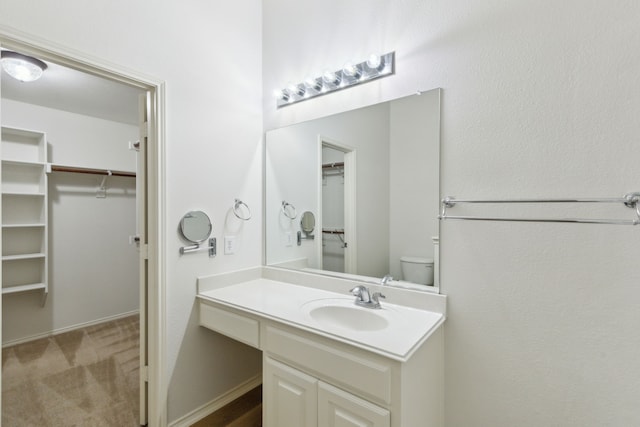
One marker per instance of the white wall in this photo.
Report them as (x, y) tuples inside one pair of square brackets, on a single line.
[(214, 131), (93, 271), (540, 99)]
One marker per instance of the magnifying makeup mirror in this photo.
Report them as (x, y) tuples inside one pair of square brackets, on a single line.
[(308, 222), (195, 226)]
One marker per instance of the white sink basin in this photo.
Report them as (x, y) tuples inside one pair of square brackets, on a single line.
[(345, 314)]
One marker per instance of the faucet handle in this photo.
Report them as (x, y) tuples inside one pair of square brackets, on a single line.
[(357, 291), (376, 295)]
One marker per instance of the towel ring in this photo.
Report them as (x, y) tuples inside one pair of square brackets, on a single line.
[(287, 212), (237, 212)]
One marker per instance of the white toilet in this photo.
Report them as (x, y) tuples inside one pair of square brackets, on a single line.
[(417, 270)]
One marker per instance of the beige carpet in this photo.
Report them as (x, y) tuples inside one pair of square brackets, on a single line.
[(86, 377)]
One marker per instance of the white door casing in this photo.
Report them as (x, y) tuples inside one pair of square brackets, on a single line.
[(143, 246)]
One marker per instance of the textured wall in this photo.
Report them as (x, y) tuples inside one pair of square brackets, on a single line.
[(540, 99)]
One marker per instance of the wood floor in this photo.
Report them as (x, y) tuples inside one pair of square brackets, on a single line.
[(245, 411)]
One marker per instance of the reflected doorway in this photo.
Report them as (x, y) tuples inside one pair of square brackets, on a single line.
[(337, 194)]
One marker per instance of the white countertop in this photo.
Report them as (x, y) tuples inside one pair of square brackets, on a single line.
[(284, 302)]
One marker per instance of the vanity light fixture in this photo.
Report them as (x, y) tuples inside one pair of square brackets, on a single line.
[(351, 74), (22, 67)]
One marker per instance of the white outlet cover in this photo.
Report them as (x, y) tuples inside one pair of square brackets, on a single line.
[(229, 245)]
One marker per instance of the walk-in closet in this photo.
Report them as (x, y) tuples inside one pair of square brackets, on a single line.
[(70, 262)]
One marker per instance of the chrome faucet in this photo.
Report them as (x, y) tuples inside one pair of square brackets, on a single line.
[(386, 279), (366, 299)]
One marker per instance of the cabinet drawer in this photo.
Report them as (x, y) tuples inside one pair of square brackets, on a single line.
[(349, 370), (235, 326)]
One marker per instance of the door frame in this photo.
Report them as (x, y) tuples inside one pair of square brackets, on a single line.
[(156, 299)]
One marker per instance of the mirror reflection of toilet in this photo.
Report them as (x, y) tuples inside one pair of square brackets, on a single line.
[(417, 270)]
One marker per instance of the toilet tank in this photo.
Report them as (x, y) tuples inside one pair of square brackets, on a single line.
[(417, 270)]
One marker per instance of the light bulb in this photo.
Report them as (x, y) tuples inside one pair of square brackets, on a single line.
[(331, 78), (22, 67), (351, 70), (313, 83), (296, 89), (281, 94), (375, 62)]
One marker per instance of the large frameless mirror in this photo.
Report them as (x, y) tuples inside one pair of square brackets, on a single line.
[(371, 175)]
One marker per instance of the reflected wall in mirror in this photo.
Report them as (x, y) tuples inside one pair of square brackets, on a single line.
[(372, 177)]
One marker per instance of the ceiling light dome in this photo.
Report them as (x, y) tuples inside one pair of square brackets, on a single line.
[(22, 67)]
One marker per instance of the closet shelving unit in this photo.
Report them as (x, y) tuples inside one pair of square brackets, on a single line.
[(24, 211)]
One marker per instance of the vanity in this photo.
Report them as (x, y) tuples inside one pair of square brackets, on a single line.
[(348, 197), (327, 361)]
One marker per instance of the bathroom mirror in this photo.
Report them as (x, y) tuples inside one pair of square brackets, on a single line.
[(308, 222), (371, 176), (195, 226)]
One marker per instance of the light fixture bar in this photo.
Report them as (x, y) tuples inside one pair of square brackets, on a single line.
[(375, 67)]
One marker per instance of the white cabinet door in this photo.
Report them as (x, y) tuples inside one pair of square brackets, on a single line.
[(290, 396), (337, 408)]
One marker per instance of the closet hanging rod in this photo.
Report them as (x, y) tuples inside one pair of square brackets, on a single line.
[(334, 165), (108, 172), (630, 200), (326, 231)]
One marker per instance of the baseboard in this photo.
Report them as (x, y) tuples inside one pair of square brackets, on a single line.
[(217, 403), (68, 329)]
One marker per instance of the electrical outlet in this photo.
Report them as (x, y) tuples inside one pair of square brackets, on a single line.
[(229, 245), (288, 239)]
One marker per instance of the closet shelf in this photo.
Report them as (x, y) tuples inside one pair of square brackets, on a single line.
[(23, 288), (22, 193), (22, 163), (24, 190), (23, 256)]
